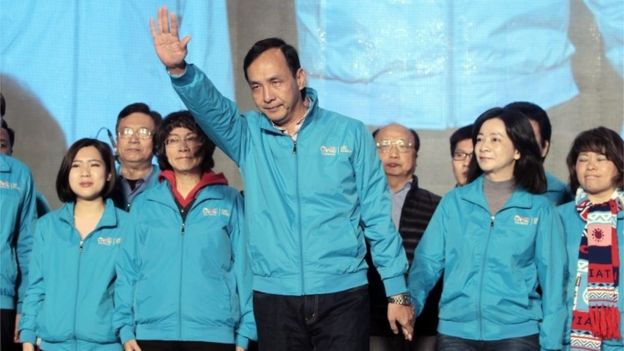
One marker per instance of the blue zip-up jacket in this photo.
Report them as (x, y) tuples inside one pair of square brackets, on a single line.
[(186, 279), (309, 204), (69, 300), (557, 191), (17, 214), (573, 227), (492, 266)]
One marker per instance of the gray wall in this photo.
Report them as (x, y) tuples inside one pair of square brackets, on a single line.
[(601, 101)]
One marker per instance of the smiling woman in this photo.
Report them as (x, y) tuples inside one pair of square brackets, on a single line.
[(479, 236), (187, 231), (594, 235)]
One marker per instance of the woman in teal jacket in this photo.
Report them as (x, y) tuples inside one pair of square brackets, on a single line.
[(69, 300), (496, 240), (594, 233), (184, 280)]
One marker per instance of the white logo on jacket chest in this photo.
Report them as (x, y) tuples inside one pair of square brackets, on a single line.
[(4, 184), (108, 241), (525, 220), (213, 211), (333, 150), (328, 150)]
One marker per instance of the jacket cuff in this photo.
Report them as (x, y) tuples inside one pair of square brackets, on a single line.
[(242, 341), (125, 334), (186, 78), (27, 335), (395, 285)]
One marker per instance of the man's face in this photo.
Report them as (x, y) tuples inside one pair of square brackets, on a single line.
[(543, 146), (5, 142), (274, 90), (395, 145), (135, 148), (461, 159)]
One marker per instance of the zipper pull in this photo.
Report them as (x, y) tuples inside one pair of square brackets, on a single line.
[(182, 232), (491, 221), (81, 244), (294, 150)]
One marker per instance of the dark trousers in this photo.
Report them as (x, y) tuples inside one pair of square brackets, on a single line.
[(7, 329), (525, 343), (160, 345), (326, 322)]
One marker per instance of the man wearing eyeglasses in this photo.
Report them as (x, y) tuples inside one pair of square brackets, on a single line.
[(461, 152), (136, 125), (412, 208)]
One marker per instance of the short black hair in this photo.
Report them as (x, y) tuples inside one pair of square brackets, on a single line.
[(63, 190), (290, 53), (460, 134), (138, 107), (600, 140), (183, 119), (412, 131), (528, 170), (10, 131), (537, 114)]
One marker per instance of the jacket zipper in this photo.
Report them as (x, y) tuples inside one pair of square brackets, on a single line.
[(181, 272), (483, 261), (80, 249), (301, 270)]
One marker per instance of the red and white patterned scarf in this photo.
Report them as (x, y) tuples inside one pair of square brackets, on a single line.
[(595, 313)]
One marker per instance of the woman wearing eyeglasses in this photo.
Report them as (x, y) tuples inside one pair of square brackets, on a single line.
[(184, 283), (496, 240)]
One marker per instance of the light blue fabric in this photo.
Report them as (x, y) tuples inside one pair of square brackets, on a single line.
[(69, 298), (186, 279), (492, 266), (573, 227), (309, 207), (439, 64), (86, 60), (17, 215)]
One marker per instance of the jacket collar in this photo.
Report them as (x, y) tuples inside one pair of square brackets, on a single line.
[(311, 94), (473, 192), (162, 194), (109, 218), (5, 166)]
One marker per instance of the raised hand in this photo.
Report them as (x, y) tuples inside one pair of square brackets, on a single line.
[(169, 48)]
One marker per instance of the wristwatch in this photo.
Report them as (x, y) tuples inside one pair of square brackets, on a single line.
[(400, 299)]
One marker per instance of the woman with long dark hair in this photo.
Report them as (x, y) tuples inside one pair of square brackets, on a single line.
[(69, 299), (496, 239), (594, 233)]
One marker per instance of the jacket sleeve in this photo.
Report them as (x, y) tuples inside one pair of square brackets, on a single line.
[(375, 207), (28, 215), (35, 294), (127, 269), (429, 257), (246, 329), (217, 116), (551, 260)]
